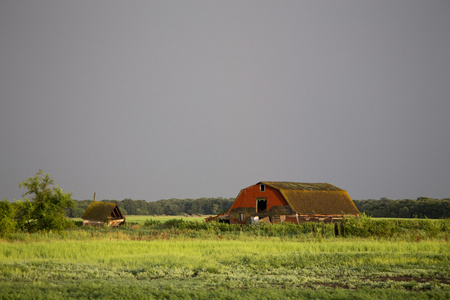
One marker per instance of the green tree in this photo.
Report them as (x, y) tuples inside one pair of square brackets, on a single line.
[(7, 223), (46, 208)]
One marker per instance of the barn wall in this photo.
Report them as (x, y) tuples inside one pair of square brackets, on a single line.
[(114, 223), (92, 223), (247, 197)]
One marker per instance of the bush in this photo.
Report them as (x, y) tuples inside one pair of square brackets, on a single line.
[(365, 226), (7, 224), (152, 223)]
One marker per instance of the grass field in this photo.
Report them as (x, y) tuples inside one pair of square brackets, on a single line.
[(142, 219), (177, 263)]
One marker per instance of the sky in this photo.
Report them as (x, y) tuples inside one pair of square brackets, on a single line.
[(187, 99)]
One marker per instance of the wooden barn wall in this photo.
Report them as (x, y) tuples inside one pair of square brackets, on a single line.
[(247, 197)]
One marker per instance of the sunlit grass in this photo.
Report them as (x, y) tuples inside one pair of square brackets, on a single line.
[(141, 219), (165, 261), (198, 264), (194, 251)]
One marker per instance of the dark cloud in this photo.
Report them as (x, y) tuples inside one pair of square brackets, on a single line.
[(155, 99)]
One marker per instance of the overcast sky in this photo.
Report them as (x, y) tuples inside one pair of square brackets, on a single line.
[(186, 99)]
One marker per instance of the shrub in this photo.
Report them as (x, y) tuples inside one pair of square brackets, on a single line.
[(7, 224), (152, 223)]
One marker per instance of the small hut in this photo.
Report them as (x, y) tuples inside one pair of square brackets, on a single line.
[(99, 213)]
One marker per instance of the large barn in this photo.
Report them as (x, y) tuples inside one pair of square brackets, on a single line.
[(294, 202), (99, 213)]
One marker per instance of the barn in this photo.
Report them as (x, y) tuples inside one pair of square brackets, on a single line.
[(294, 202), (99, 213)]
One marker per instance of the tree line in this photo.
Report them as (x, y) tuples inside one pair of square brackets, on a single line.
[(384, 208), (170, 207), (421, 207)]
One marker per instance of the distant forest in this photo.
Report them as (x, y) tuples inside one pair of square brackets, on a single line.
[(170, 207), (407, 208)]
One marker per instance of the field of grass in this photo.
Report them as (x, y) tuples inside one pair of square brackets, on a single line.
[(179, 262), (142, 219)]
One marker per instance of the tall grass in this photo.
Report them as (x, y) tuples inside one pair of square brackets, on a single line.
[(135, 253), (228, 266), (142, 218)]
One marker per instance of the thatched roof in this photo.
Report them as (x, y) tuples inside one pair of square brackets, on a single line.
[(301, 186), (315, 198), (102, 211)]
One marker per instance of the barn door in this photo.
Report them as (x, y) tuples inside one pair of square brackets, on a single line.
[(261, 204)]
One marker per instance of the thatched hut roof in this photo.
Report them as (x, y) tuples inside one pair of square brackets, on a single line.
[(102, 211)]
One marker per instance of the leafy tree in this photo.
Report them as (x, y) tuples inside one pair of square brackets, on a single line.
[(78, 210), (7, 223), (47, 206), (131, 206)]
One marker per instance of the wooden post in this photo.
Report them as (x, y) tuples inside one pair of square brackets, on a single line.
[(94, 197)]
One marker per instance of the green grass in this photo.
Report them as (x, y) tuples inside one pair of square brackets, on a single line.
[(178, 258), (142, 219), (109, 264)]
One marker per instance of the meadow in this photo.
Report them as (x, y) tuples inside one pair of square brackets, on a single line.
[(188, 259), (141, 219)]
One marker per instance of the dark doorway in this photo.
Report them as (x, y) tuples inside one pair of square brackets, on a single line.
[(261, 205)]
